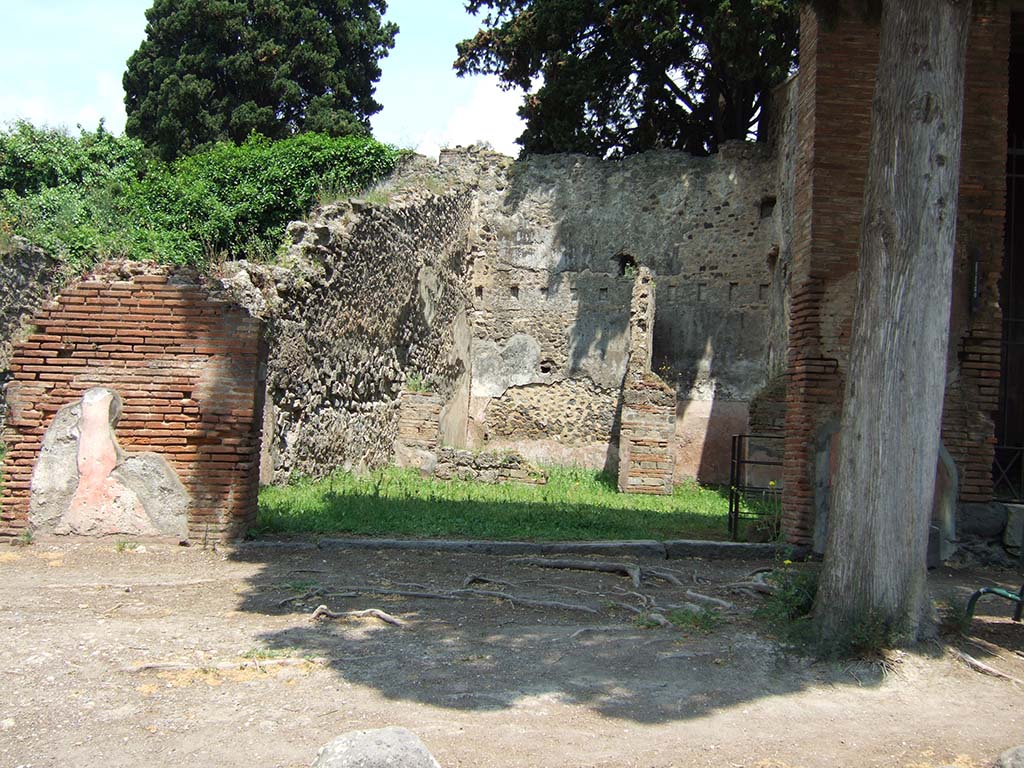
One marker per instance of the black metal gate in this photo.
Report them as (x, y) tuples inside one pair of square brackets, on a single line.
[(755, 484)]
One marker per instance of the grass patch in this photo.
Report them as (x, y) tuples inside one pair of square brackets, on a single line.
[(264, 654), (706, 620), (575, 504)]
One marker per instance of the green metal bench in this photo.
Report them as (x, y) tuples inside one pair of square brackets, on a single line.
[(1016, 597)]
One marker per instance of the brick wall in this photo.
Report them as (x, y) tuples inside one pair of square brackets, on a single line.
[(647, 436), (837, 71), (836, 85), (972, 395), (187, 367), (419, 421)]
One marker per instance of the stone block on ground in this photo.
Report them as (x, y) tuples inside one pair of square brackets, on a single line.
[(1013, 536), (381, 748), (983, 521), (1011, 758)]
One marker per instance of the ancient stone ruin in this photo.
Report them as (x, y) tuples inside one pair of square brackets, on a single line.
[(133, 408), (630, 316)]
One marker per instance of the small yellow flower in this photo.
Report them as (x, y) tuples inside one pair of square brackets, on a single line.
[(787, 562)]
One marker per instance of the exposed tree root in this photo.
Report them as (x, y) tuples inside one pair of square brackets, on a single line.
[(663, 574), (528, 601), (759, 587), (299, 598), (475, 578), (356, 591), (602, 566), (982, 667), (323, 612), (725, 605), (455, 594), (637, 573), (603, 628)]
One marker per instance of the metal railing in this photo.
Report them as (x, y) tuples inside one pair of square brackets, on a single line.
[(1008, 474), (752, 493)]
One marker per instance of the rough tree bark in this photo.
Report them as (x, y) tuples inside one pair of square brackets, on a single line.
[(874, 573)]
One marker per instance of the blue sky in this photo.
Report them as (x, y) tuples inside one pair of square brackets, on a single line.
[(62, 62)]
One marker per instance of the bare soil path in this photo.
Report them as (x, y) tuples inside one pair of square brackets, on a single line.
[(255, 682)]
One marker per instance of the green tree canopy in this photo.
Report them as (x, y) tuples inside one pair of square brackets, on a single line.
[(214, 70), (623, 76)]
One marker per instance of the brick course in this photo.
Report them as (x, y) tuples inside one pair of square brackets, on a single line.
[(187, 366), (836, 86)]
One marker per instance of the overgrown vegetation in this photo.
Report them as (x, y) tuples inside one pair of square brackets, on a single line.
[(575, 504), (99, 196), (788, 609)]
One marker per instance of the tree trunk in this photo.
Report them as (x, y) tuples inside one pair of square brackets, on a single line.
[(873, 583)]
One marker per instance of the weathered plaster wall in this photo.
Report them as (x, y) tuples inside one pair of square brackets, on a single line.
[(369, 295), (559, 238)]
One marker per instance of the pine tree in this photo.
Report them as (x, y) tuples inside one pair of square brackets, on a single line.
[(214, 70)]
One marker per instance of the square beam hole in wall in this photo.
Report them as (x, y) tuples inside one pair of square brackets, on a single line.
[(514, 290), (479, 291)]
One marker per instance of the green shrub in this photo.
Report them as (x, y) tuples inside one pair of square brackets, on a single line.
[(100, 196), (788, 609)]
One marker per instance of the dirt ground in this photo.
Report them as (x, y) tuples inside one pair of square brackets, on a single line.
[(483, 682)]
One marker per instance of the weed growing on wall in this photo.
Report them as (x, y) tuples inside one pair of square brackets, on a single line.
[(417, 383), (99, 196)]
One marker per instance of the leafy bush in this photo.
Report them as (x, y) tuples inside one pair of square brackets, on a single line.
[(99, 196), (33, 159)]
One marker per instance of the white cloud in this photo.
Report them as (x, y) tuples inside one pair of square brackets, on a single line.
[(105, 99), (488, 115)]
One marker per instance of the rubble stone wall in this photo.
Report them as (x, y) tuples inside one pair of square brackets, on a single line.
[(369, 296), (28, 277)]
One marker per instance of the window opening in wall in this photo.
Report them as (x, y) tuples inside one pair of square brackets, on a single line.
[(625, 263), (604, 291), (767, 206)]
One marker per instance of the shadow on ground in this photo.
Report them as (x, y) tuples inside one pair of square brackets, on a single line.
[(485, 654)]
